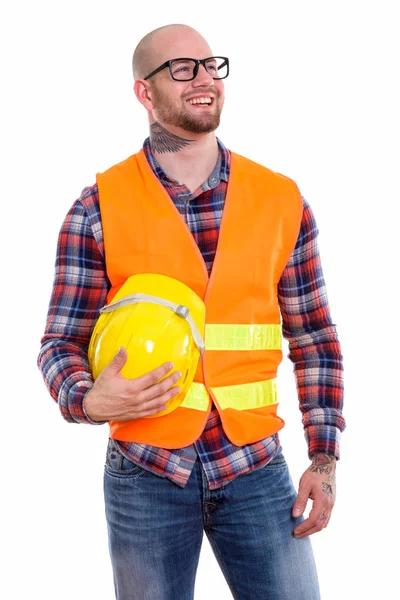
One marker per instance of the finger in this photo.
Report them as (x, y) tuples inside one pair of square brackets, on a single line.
[(117, 362), (164, 398), (322, 524), (159, 388), (155, 406), (151, 378), (309, 531), (328, 518), (314, 519), (301, 501)]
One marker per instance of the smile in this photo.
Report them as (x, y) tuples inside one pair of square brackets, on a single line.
[(203, 100)]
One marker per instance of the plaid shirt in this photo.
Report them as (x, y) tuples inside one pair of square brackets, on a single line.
[(80, 289)]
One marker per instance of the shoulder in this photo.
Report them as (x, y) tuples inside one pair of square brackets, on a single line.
[(249, 167), (87, 208), (263, 180), (120, 166), (89, 199), (84, 218)]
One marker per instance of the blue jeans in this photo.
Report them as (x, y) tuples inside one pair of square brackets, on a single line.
[(155, 531)]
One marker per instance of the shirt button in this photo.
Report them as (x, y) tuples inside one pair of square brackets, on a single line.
[(213, 180)]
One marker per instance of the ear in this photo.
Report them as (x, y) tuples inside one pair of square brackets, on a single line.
[(143, 93)]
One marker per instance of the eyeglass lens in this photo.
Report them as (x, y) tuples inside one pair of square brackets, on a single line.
[(183, 70)]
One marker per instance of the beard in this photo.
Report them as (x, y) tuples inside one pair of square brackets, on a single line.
[(170, 114)]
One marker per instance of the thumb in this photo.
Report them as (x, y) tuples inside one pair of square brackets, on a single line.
[(118, 361), (300, 503)]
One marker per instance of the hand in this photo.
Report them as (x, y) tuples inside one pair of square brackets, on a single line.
[(114, 397), (319, 484)]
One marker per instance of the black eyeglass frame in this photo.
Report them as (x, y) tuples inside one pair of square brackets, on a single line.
[(198, 61)]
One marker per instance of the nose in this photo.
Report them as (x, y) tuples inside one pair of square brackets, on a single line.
[(203, 78)]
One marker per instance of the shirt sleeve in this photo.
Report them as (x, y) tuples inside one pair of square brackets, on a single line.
[(79, 290), (314, 346)]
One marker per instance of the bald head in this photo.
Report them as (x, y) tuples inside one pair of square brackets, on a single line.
[(158, 46)]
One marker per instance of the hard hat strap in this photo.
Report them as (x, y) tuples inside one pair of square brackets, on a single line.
[(179, 309)]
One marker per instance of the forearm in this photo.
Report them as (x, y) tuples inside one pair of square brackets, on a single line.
[(318, 370), (314, 346), (79, 291), (66, 372)]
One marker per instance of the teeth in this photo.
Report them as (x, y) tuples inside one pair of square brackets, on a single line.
[(200, 101)]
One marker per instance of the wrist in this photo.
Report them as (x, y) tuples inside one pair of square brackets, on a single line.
[(322, 463), (87, 407), (319, 454)]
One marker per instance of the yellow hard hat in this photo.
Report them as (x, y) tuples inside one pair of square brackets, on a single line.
[(157, 319)]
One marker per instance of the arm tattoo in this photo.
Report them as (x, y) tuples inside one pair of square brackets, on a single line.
[(162, 140), (322, 463)]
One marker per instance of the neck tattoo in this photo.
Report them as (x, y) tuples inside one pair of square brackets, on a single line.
[(162, 140)]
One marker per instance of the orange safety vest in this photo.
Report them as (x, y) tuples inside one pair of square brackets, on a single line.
[(144, 233)]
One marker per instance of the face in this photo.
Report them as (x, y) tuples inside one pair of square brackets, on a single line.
[(173, 101)]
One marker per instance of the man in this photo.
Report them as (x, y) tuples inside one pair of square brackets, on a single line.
[(231, 480)]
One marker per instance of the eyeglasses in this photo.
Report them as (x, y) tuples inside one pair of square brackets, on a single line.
[(186, 69)]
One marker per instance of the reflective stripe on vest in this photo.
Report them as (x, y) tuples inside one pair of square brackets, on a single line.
[(240, 397), (243, 337), (244, 396)]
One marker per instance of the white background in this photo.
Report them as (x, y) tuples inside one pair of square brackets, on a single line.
[(312, 94)]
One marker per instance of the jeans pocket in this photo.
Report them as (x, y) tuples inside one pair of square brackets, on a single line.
[(118, 465)]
